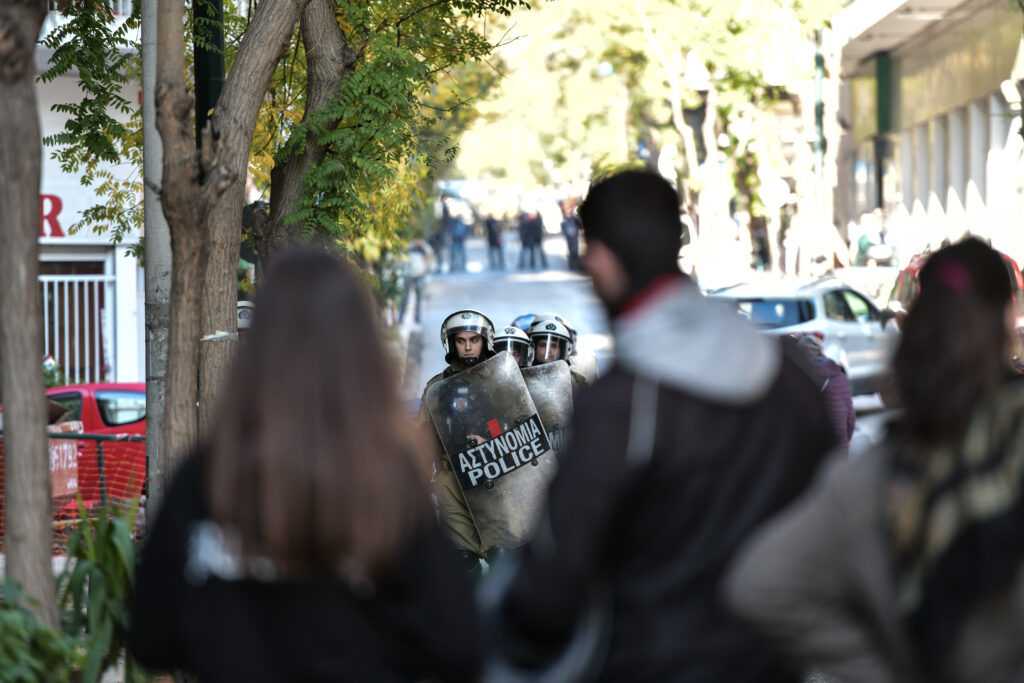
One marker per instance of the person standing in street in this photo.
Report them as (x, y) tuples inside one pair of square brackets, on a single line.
[(517, 343), (299, 542), (531, 237), (420, 255), (571, 232), (906, 563), (552, 341), (702, 428), (457, 232), (833, 386), (495, 255), (467, 337)]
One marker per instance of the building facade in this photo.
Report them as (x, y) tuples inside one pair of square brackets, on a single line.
[(931, 129), (92, 291)]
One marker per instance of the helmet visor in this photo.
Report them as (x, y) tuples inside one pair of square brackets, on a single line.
[(548, 348), (520, 349)]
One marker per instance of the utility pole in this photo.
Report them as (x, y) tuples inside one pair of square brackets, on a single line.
[(819, 126), (208, 39), (157, 266)]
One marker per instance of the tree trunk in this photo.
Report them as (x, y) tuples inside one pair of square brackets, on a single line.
[(28, 523), (191, 182), (329, 60), (233, 123), (672, 72)]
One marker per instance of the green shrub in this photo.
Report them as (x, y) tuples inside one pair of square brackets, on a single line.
[(30, 650), (94, 594)]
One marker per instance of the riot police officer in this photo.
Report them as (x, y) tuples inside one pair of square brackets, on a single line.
[(524, 321), (516, 342), (585, 363), (467, 337), (552, 342)]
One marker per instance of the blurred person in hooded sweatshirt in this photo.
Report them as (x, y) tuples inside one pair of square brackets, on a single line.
[(703, 428)]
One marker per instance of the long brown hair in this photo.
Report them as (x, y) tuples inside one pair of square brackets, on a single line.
[(952, 354), (311, 460)]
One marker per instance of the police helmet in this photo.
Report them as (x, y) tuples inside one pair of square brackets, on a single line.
[(524, 321), (555, 316), (467, 320), (516, 342), (547, 332)]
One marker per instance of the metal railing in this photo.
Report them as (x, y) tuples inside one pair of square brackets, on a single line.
[(77, 325)]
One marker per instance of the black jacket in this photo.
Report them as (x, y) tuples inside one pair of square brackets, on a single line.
[(419, 623), (670, 468)]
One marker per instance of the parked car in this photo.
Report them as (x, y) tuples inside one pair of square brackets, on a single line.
[(107, 408), (874, 281), (857, 335), (907, 286)]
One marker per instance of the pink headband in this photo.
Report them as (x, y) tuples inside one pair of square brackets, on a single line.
[(953, 275)]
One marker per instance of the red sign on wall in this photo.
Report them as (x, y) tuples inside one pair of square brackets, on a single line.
[(50, 206)]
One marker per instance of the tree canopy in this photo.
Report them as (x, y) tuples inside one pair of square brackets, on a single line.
[(591, 85), (413, 67)]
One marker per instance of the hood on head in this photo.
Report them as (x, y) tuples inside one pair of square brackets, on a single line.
[(697, 346)]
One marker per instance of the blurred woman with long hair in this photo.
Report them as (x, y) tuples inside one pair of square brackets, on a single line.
[(300, 543), (907, 562)]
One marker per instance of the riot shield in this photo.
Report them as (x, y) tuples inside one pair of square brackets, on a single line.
[(550, 386), (496, 445), (584, 363)]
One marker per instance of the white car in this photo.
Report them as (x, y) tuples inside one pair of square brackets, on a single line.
[(856, 333)]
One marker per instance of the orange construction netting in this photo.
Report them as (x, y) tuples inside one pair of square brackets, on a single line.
[(87, 472)]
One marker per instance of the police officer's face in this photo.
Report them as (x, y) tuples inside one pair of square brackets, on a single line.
[(468, 344), (548, 349)]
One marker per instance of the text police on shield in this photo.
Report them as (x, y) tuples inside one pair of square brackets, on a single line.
[(503, 454)]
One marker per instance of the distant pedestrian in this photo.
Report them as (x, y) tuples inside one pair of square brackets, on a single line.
[(571, 232), (833, 386), (531, 236), (495, 255), (420, 256), (457, 232), (299, 542), (906, 563), (701, 429)]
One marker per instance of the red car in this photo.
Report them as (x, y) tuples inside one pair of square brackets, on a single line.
[(107, 408)]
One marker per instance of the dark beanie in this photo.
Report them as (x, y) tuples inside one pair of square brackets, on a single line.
[(636, 214)]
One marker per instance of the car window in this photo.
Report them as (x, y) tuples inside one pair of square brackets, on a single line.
[(862, 310), (776, 312), (121, 407), (72, 402), (836, 308)]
